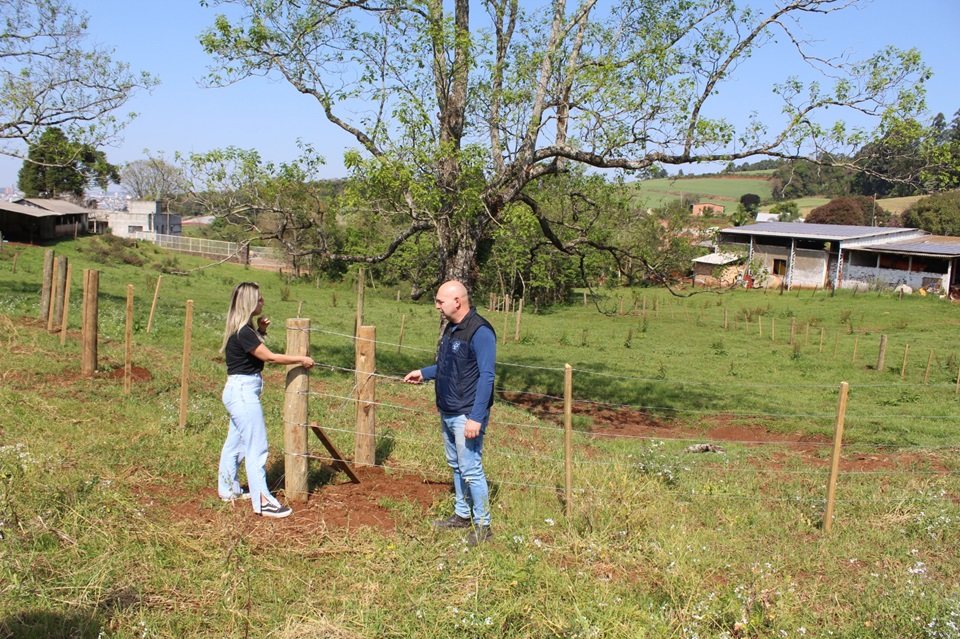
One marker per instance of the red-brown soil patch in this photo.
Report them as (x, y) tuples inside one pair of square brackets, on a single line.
[(338, 506), (812, 448), (137, 374)]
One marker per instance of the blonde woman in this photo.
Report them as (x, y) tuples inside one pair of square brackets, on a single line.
[(245, 354)]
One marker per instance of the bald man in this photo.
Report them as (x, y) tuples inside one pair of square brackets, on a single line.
[(464, 372)]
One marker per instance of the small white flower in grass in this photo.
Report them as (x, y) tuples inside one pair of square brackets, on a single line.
[(802, 630), (853, 560), (549, 521), (538, 543), (518, 539)]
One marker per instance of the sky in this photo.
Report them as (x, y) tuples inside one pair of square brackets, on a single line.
[(270, 116)]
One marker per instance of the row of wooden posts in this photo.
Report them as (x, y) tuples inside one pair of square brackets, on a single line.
[(55, 302), (55, 311), (296, 411), (507, 304)]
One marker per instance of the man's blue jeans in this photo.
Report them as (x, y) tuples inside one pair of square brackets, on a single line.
[(246, 440), (465, 457)]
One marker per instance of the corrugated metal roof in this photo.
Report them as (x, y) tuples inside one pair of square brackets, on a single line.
[(61, 207), (826, 232), (933, 245), (20, 209), (717, 258)]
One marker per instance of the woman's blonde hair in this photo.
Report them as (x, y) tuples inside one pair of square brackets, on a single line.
[(243, 303)]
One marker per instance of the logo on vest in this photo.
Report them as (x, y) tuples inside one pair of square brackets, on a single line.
[(456, 346)]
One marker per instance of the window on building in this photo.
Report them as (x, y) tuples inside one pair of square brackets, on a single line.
[(780, 267)]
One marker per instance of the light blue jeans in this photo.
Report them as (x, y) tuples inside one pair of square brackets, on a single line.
[(465, 457), (246, 440)]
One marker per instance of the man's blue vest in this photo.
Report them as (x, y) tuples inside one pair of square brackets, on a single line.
[(457, 370)]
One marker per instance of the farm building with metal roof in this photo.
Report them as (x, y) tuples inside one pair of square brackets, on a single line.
[(839, 256)]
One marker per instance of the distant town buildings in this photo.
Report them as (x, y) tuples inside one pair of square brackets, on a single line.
[(116, 201)]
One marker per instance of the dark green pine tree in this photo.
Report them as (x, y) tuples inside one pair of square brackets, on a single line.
[(57, 167)]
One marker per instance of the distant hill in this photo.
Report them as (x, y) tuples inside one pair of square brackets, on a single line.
[(722, 189), (726, 189)]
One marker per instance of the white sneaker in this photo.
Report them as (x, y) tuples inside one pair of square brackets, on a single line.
[(241, 496)]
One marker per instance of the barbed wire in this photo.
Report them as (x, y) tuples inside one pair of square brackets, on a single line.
[(650, 380), (558, 488), (633, 460)]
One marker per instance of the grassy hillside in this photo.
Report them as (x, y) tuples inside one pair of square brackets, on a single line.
[(722, 190), (110, 525)]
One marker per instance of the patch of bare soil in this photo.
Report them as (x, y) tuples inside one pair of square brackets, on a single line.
[(338, 506), (137, 374), (632, 423)]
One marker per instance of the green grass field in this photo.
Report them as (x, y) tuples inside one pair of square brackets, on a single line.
[(727, 191), (110, 526), (710, 189)]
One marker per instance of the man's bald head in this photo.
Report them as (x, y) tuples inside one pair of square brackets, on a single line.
[(453, 301)]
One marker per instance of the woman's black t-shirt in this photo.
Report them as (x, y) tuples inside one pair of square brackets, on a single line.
[(239, 352)]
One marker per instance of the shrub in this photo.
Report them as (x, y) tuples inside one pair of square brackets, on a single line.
[(939, 214), (854, 210)]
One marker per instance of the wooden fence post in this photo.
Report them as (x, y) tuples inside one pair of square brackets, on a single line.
[(823, 332), (47, 285), (903, 369), (793, 329), (185, 365), (56, 301), (296, 406), (128, 342), (856, 345), (568, 438), (153, 306), (835, 459), (66, 305), (883, 352), (91, 288), (516, 331), (403, 320), (365, 442), (359, 321)]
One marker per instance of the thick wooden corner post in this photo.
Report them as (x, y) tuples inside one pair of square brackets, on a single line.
[(295, 408), (365, 441)]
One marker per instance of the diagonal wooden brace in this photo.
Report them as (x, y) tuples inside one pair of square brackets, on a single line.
[(338, 459)]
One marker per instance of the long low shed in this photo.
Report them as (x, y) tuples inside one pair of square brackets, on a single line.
[(833, 255)]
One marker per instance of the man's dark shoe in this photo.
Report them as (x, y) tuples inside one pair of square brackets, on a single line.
[(453, 521), (479, 535)]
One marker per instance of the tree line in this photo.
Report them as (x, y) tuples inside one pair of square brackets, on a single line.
[(495, 141)]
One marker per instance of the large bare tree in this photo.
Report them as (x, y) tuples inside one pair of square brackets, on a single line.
[(458, 107), (51, 75)]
